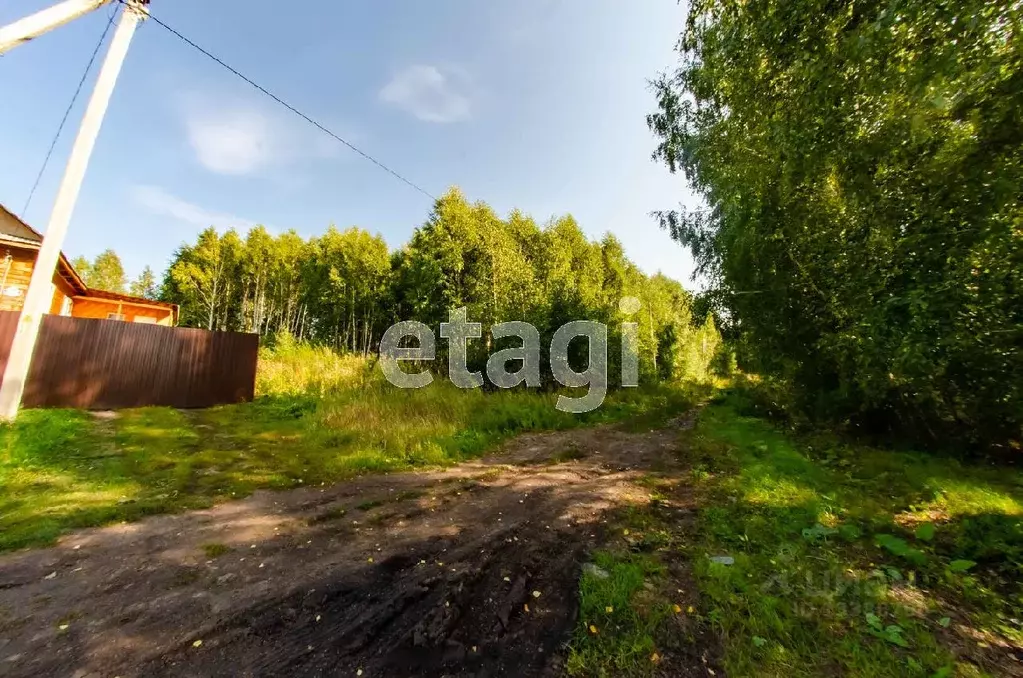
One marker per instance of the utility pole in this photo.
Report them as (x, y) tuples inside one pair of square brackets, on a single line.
[(40, 289), (45, 20)]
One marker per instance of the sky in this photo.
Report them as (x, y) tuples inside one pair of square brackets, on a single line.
[(538, 105)]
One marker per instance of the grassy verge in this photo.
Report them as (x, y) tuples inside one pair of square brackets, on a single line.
[(807, 556), (66, 469), (620, 617), (851, 560), (637, 614)]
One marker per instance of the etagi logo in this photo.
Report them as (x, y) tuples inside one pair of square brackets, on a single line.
[(458, 330)]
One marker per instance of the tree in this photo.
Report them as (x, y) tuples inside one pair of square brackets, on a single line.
[(346, 282), (105, 272), (83, 266), (145, 285), (465, 255), (203, 280), (862, 165), (344, 287)]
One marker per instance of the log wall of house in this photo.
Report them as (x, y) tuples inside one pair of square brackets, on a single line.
[(15, 272)]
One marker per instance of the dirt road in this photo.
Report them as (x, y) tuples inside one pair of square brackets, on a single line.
[(424, 574)]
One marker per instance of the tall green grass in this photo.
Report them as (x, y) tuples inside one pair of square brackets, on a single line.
[(295, 368)]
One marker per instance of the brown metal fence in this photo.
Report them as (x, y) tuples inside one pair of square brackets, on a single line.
[(108, 364)]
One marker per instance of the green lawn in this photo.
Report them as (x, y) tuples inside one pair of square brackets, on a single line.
[(66, 469)]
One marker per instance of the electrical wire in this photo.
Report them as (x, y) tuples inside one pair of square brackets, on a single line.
[(291, 108), (63, 121)]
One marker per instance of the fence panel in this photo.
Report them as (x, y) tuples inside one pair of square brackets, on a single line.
[(108, 364)]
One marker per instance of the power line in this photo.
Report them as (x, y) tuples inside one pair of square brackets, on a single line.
[(291, 108), (63, 121)]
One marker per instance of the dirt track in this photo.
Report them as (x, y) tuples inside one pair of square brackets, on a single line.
[(423, 574)]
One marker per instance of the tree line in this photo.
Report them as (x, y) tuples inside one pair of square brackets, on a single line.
[(862, 168), (345, 287)]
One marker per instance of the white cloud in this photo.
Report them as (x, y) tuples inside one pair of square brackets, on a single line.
[(238, 141), (161, 202), (429, 94), (236, 137)]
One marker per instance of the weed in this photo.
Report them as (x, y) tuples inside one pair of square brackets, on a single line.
[(293, 368), (627, 598), (901, 548), (215, 550)]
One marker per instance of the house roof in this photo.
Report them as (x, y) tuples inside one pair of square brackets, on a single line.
[(117, 296), (16, 228), (15, 231)]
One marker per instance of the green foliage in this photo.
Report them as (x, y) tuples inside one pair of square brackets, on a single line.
[(960, 565), (901, 548), (203, 279), (701, 350), (502, 270), (818, 532), (724, 363), (145, 285), (891, 633), (105, 272), (83, 266), (294, 368), (925, 532), (862, 165), (803, 518), (343, 289)]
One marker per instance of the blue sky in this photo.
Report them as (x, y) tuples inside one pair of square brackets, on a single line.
[(534, 104)]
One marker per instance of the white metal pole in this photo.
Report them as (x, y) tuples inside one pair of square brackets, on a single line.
[(23, 30), (40, 288)]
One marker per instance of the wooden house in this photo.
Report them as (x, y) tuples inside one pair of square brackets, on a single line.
[(19, 246)]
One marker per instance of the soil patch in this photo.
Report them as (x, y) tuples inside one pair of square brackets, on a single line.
[(470, 571)]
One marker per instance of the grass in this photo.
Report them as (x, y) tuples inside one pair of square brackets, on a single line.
[(215, 550), (333, 419), (634, 612), (619, 616), (851, 560), (298, 369), (832, 559)]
